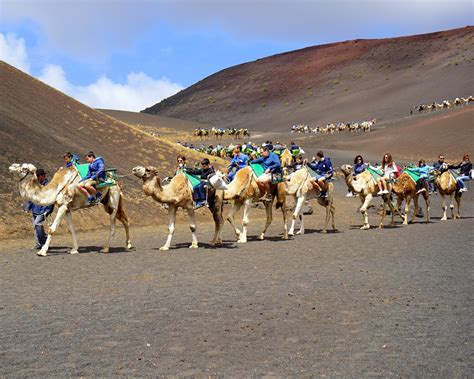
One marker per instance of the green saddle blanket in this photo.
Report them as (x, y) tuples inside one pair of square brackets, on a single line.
[(259, 171), (412, 173), (108, 181), (375, 173), (193, 179)]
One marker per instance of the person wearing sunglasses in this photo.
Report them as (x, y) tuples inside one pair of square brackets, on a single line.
[(465, 169), (359, 167)]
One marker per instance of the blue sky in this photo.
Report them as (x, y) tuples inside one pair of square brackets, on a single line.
[(130, 54)]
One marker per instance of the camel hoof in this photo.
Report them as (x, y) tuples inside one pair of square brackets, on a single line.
[(104, 250), (242, 240), (300, 232), (365, 227), (261, 237), (324, 231), (285, 236), (129, 246), (42, 253), (73, 252), (292, 233), (164, 248), (381, 226), (193, 246), (444, 219)]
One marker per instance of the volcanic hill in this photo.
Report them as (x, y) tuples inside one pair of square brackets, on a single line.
[(345, 81), (38, 124)]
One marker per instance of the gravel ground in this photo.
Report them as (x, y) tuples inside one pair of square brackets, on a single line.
[(392, 302)]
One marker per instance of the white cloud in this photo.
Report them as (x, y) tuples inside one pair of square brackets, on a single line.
[(13, 51), (138, 92)]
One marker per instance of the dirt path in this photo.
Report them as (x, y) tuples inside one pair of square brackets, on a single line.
[(393, 302)]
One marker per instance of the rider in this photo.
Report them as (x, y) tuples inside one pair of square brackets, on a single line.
[(324, 171), (199, 190), (359, 167), (70, 159), (239, 161), (465, 168), (423, 171), (389, 169), (271, 163), (95, 172)]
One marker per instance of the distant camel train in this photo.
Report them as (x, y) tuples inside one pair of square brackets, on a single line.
[(434, 106)]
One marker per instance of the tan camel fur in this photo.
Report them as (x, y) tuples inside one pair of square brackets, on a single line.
[(364, 185), (301, 188), (63, 192), (243, 190), (446, 184), (179, 194), (405, 189)]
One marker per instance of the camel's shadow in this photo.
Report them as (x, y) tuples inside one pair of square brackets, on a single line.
[(202, 245), (61, 250), (320, 231)]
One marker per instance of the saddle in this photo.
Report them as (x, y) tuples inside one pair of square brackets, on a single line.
[(109, 180), (259, 171)]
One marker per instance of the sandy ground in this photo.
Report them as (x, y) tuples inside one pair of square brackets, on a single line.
[(392, 302)]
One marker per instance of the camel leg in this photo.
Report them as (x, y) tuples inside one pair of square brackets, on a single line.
[(384, 203), (333, 212), (245, 222), (216, 211), (458, 203), (407, 209), (328, 218), (416, 207), (171, 226), (268, 210), (426, 196), (70, 226), (451, 205), (112, 216), (285, 225), (298, 207), (59, 216), (445, 208), (236, 205), (192, 226), (363, 209), (122, 217)]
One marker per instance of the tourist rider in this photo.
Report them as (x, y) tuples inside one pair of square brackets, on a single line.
[(465, 172), (39, 213), (359, 167), (324, 171), (423, 170), (239, 161), (272, 166), (389, 169), (199, 190), (95, 172)]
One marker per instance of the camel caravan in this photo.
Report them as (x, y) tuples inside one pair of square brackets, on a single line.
[(332, 128), (270, 179), (445, 104), (219, 133)]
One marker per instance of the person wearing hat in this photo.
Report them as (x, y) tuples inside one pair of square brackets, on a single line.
[(95, 172), (39, 213), (199, 190)]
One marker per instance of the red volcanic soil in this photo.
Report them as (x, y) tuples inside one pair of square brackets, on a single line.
[(346, 81)]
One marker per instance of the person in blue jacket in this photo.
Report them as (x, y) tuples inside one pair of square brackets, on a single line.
[(359, 167), (272, 166), (423, 170), (70, 159), (239, 161), (39, 213), (96, 171), (324, 171)]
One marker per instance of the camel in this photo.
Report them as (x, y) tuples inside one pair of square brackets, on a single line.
[(286, 159), (242, 191), (62, 191), (179, 194), (364, 185), (447, 186), (300, 187), (405, 189)]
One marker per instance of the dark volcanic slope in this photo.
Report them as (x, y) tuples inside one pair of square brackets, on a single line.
[(345, 81), (38, 124)]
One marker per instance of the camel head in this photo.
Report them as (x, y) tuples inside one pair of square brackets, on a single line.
[(21, 171), (145, 173), (346, 169), (217, 181)]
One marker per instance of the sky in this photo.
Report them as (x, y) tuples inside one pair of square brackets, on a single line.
[(130, 54)]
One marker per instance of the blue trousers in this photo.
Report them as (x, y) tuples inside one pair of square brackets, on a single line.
[(199, 191), (231, 175), (40, 235)]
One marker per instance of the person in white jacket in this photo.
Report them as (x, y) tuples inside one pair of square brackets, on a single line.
[(389, 169)]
